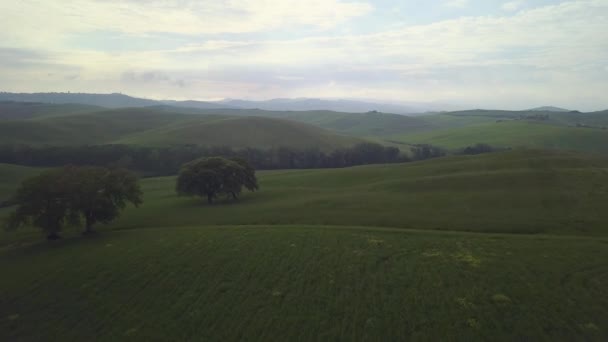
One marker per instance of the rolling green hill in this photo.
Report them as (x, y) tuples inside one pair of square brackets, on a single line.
[(518, 191), (515, 134), (340, 254), (242, 132), (147, 126), (372, 124)]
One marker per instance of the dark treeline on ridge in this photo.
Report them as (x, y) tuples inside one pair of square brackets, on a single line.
[(167, 160)]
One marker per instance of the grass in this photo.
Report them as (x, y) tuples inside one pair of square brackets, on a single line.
[(32, 110), (305, 283), (158, 127), (515, 134), (327, 255), (242, 132), (516, 191)]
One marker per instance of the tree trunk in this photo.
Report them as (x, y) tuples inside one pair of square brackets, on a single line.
[(53, 236), (88, 228), (234, 197)]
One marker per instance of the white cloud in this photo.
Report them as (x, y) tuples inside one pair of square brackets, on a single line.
[(512, 6), (548, 54), (456, 3), (45, 22)]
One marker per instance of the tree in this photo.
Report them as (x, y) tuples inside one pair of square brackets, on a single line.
[(210, 177), (99, 194), (42, 201), (66, 195)]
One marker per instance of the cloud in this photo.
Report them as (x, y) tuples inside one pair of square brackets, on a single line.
[(46, 21), (512, 6), (554, 53), (456, 3)]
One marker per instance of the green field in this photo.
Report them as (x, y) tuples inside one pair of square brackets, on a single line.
[(305, 283), (515, 134), (416, 251), (518, 191), (158, 127), (32, 110)]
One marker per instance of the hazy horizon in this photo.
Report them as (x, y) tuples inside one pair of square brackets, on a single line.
[(463, 53)]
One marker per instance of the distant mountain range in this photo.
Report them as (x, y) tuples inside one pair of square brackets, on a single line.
[(117, 100), (549, 109)]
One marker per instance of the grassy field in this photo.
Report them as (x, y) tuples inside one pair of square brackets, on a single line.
[(305, 283), (146, 126), (367, 253), (515, 134), (31, 110), (242, 132), (517, 191)]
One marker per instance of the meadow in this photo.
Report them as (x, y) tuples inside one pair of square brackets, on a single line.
[(302, 283), (415, 251), (513, 134)]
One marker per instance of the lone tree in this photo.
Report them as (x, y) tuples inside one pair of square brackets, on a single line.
[(66, 195), (210, 177)]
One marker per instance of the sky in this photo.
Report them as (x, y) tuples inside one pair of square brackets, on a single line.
[(510, 54)]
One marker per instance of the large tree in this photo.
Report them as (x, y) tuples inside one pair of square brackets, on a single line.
[(99, 194), (44, 202), (210, 177), (66, 195)]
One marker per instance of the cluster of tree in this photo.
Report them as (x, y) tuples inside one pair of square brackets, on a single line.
[(211, 177), (70, 194), (168, 160), (480, 148), (426, 151)]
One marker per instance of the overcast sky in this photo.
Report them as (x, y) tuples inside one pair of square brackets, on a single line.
[(476, 53)]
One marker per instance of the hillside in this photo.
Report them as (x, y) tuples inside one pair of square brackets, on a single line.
[(517, 191), (371, 124), (149, 126), (242, 132), (29, 110), (515, 134), (549, 109), (339, 253), (296, 283)]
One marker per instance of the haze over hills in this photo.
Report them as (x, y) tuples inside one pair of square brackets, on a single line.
[(549, 109), (117, 100)]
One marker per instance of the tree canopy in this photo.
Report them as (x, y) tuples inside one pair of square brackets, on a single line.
[(211, 177), (67, 195)]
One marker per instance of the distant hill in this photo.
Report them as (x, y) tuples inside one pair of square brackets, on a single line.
[(248, 131), (10, 110), (370, 124), (549, 109), (147, 126), (117, 100), (307, 104), (103, 100), (515, 134)]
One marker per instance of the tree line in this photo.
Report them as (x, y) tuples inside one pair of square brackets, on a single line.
[(159, 161)]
